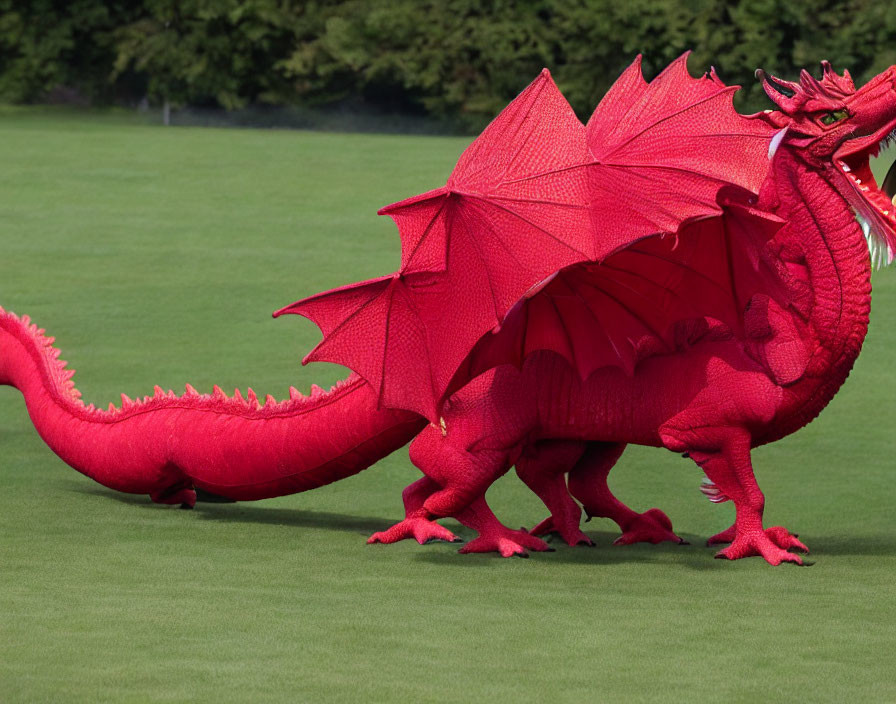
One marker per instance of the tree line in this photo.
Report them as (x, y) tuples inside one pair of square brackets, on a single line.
[(456, 60)]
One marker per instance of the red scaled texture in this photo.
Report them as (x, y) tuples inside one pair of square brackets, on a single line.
[(673, 274)]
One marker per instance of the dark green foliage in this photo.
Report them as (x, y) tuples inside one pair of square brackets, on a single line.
[(456, 59)]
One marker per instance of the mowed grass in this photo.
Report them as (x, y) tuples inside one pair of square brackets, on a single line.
[(156, 256)]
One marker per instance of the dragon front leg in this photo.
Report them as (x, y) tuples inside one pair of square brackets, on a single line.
[(731, 470)]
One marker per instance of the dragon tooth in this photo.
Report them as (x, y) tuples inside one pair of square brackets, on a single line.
[(218, 392), (172, 395), (126, 401), (295, 394), (112, 408), (159, 391), (190, 391), (91, 408), (238, 395), (26, 320), (316, 391), (270, 401)]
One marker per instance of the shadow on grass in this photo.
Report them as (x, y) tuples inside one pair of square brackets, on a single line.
[(246, 512), (696, 555)]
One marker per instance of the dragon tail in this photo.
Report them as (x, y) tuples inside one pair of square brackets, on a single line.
[(167, 445)]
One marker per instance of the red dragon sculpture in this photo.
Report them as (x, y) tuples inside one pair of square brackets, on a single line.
[(671, 274)]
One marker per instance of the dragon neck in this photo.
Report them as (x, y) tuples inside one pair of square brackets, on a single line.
[(825, 251)]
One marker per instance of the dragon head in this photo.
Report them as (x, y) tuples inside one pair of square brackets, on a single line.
[(837, 129)]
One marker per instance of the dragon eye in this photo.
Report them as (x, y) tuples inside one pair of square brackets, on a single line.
[(832, 117)]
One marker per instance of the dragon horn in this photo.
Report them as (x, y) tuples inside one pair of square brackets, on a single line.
[(809, 83), (775, 88)]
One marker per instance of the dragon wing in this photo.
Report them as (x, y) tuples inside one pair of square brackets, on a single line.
[(534, 195), (652, 297)]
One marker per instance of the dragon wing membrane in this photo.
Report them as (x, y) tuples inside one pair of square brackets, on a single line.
[(509, 245), (665, 149), (651, 297)]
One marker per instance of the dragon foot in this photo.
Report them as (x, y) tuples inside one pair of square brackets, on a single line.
[(569, 533), (772, 544), (420, 529), (177, 494), (507, 542), (652, 526)]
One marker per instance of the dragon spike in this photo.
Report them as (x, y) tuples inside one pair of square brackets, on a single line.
[(809, 82), (844, 82), (790, 96), (252, 399)]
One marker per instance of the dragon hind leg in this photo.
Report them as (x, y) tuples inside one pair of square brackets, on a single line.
[(455, 483), (543, 467), (588, 484)]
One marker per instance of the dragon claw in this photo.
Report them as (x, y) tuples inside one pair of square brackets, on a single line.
[(786, 540), (768, 544), (422, 530)]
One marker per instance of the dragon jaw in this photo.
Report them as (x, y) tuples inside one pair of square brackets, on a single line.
[(874, 205)]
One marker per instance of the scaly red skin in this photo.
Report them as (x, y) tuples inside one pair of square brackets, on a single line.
[(166, 445)]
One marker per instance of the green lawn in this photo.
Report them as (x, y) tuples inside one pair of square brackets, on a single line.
[(156, 256)]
